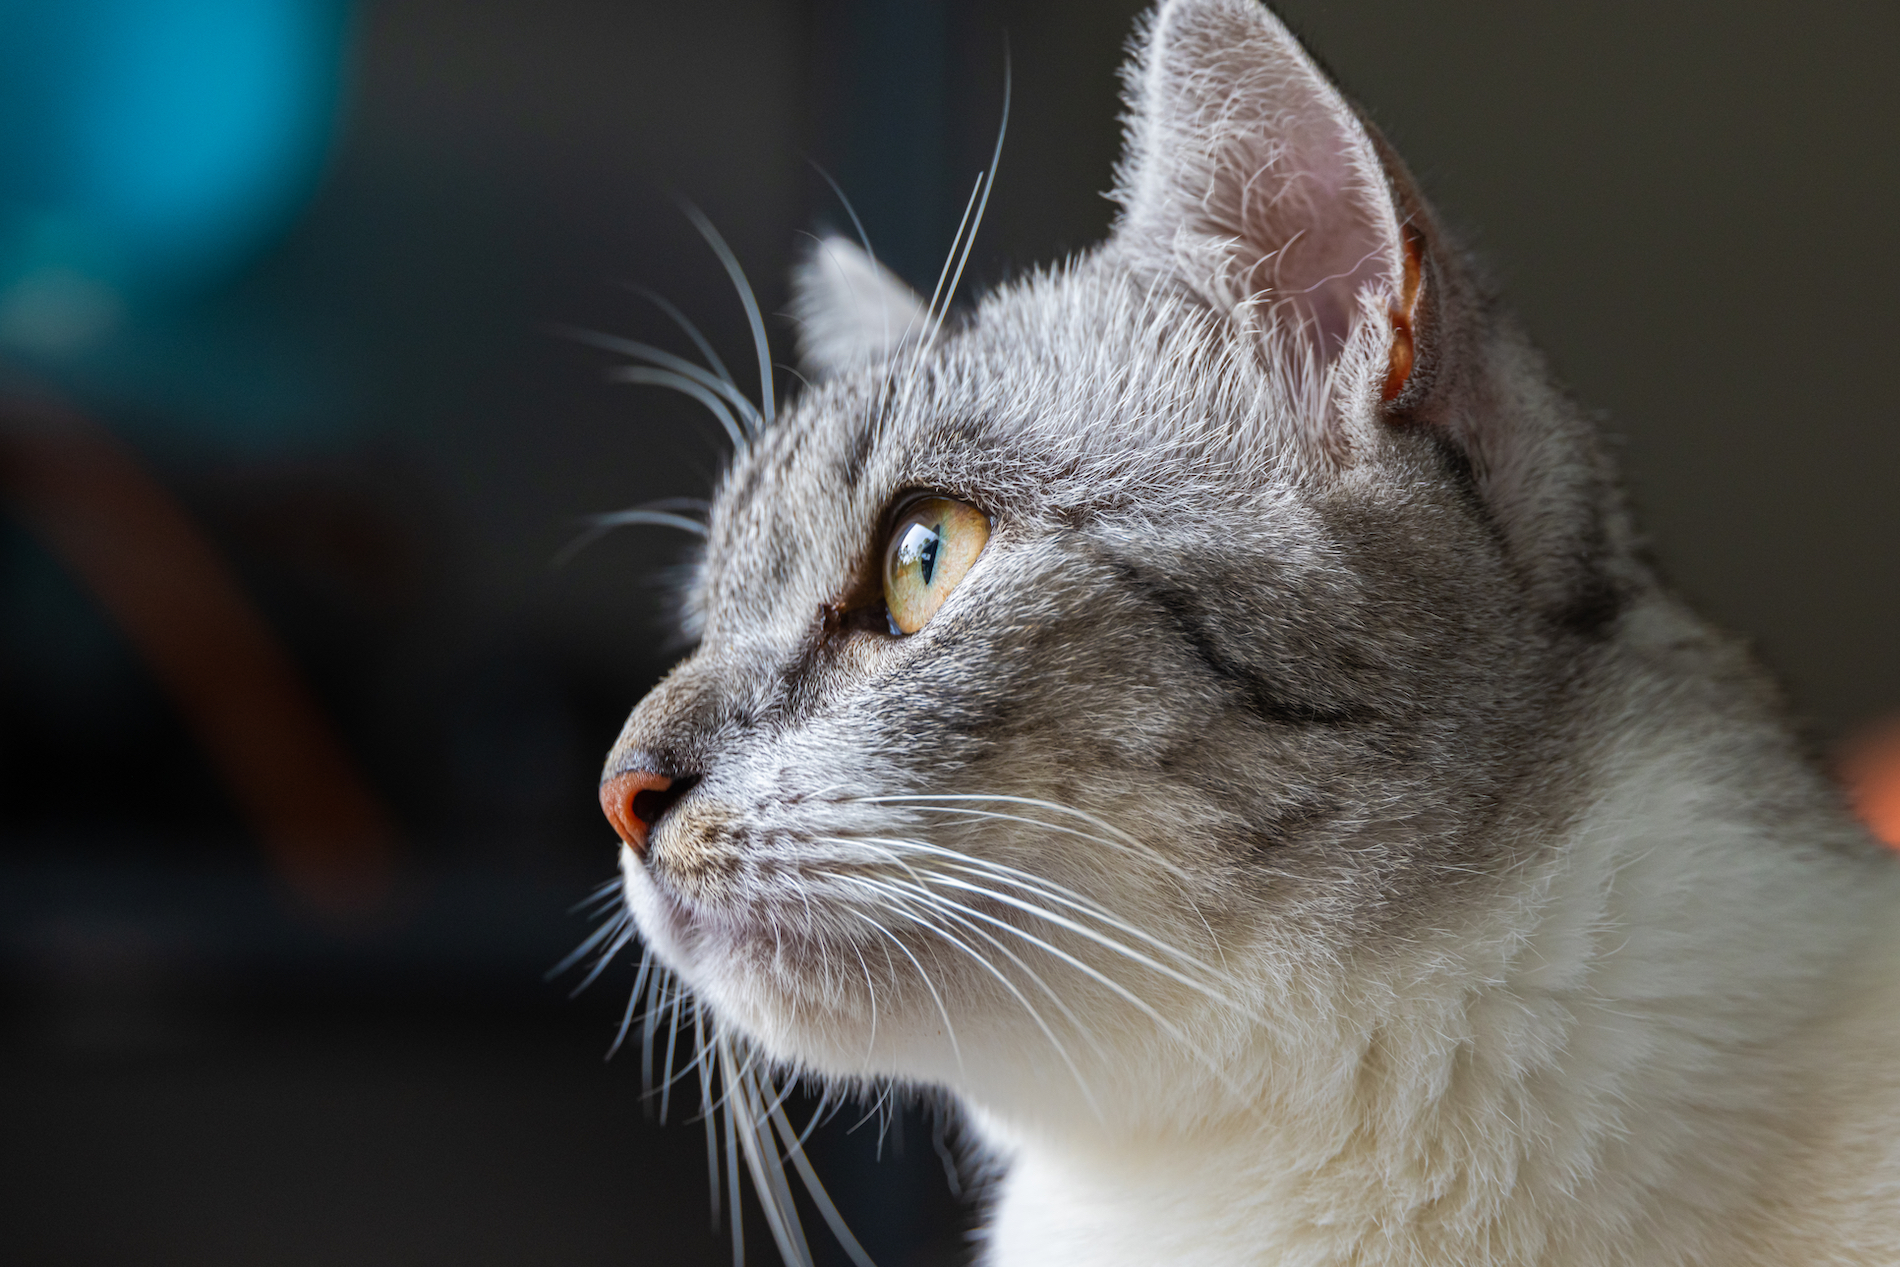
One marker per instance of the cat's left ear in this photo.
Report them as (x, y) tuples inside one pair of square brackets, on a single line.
[(1248, 177), (850, 309)]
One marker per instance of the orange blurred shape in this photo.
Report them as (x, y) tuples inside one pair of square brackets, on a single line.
[(162, 580), (1872, 770)]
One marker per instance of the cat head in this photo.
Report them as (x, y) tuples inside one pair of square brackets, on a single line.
[(1096, 682)]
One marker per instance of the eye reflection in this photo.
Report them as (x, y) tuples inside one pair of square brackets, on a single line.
[(919, 547), (931, 548)]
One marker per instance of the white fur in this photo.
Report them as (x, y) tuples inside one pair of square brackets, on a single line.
[(1673, 1045)]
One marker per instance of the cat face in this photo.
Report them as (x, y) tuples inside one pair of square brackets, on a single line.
[(1251, 639)]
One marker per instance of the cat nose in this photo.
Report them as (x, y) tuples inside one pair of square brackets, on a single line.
[(634, 800)]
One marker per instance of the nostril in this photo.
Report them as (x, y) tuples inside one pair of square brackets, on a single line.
[(637, 799), (650, 803)]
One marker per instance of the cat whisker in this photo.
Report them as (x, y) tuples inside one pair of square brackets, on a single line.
[(1100, 939), (672, 1043), (864, 239), (920, 881), (1083, 905), (641, 375), (959, 803), (1077, 903), (753, 1056), (600, 525), (746, 297), (988, 183), (1055, 892), (931, 322), (1147, 1009), (880, 1109), (671, 1073), (933, 319), (821, 1113), (952, 910), (615, 923), (703, 1056), (692, 331), (661, 359), (606, 957), (933, 927), (795, 1150), (1115, 838), (950, 1030), (870, 998), (633, 1000), (734, 1209), (768, 1172), (751, 1103), (606, 895), (657, 988)]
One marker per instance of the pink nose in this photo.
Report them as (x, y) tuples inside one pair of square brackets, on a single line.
[(633, 802)]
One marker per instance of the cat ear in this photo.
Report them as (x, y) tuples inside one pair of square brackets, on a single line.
[(1248, 178), (850, 309)]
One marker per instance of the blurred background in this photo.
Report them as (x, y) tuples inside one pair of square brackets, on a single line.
[(299, 721)]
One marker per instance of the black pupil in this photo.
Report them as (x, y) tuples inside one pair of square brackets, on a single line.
[(927, 557)]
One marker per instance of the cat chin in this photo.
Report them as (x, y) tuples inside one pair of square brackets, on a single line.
[(775, 1008)]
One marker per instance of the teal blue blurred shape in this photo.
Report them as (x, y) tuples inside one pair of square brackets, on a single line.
[(149, 146)]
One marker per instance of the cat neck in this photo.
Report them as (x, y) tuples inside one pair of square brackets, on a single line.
[(1651, 1044)]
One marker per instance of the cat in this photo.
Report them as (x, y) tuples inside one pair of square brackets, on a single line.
[(1208, 711)]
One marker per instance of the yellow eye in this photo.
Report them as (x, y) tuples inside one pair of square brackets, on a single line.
[(931, 548)]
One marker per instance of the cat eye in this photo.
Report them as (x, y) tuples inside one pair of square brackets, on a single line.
[(932, 545)]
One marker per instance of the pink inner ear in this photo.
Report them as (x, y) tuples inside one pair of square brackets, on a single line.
[(1239, 143), (1318, 243)]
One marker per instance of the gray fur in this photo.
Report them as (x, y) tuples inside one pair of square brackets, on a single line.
[(1297, 682)]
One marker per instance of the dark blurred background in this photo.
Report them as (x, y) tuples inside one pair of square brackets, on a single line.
[(300, 723)]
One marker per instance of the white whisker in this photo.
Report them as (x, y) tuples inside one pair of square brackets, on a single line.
[(642, 375), (649, 1026), (1168, 1027), (944, 802), (1034, 1015), (692, 331), (734, 1209), (1076, 902), (768, 1172), (795, 1150), (952, 910), (1100, 939), (662, 359), (1116, 838), (1044, 888), (633, 1000), (618, 921), (950, 1030), (672, 1042), (989, 183), (739, 282), (654, 514), (870, 998), (864, 238), (703, 1062), (933, 319)]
